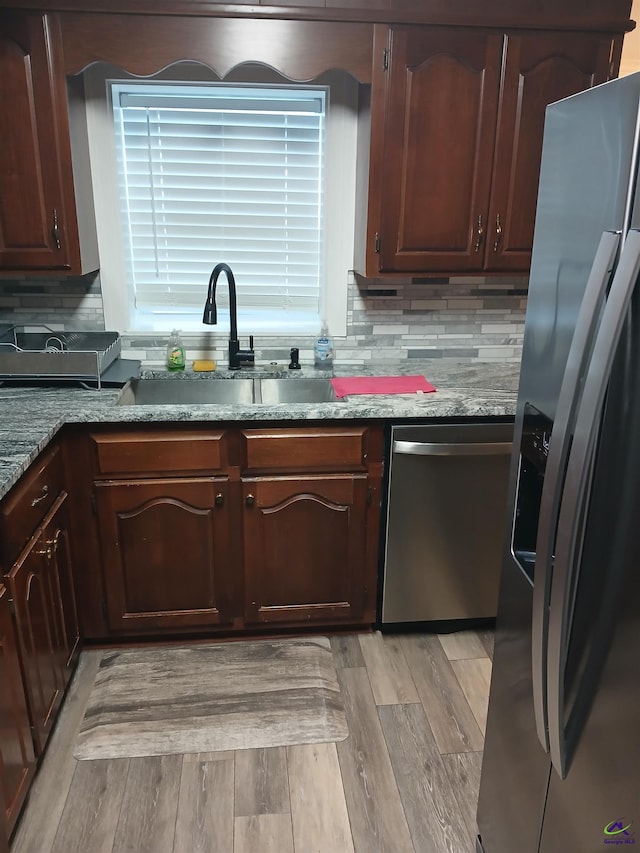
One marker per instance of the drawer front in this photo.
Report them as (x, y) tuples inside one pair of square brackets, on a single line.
[(29, 501), (323, 449), (170, 451)]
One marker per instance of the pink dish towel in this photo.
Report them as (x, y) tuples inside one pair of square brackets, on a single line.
[(346, 385)]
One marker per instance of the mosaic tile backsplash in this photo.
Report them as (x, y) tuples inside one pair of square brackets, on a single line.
[(467, 318)]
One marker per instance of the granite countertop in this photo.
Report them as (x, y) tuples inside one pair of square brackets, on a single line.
[(31, 416)]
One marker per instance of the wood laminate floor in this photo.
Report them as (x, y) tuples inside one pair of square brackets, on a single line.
[(405, 780)]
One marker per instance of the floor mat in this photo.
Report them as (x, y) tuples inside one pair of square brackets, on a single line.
[(205, 698)]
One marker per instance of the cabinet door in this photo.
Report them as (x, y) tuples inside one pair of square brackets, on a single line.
[(166, 553), (305, 548), (17, 760), (32, 214), (430, 178), (540, 68), (66, 628), (32, 591)]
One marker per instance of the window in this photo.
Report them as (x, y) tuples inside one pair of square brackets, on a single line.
[(228, 173), (256, 171)]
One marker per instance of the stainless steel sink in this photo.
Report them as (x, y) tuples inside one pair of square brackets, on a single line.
[(212, 392), (186, 392), (296, 391)]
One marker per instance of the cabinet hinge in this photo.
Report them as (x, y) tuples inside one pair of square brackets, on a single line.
[(94, 506), (12, 607), (103, 608), (376, 244), (385, 59)]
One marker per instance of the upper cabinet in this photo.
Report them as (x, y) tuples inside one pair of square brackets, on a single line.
[(39, 225), (457, 120), (458, 98)]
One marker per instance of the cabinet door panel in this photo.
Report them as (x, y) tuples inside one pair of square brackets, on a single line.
[(305, 548), (539, 69), (30, 196), (60, 557), (30, 588), (166, 553), (17, 760), (441, 107)]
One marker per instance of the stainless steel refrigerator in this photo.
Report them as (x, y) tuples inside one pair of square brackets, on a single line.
[(561, 766)]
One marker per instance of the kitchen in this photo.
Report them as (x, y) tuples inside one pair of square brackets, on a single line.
[(481, 307)]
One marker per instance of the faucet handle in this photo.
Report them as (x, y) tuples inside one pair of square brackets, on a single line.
[(294, 363), (247, 357)]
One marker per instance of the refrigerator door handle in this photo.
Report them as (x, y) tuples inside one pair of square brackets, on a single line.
[(577, 362), (570, 529)]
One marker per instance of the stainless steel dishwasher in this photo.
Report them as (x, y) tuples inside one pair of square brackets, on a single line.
[(446, 516)]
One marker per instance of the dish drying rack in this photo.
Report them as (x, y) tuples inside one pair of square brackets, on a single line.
[(50, 355)]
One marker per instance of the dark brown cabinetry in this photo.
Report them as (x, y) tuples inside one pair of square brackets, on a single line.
[(38, 224), (217, 530), (166, 553), (17, 760), (307, 522), (457, 124), (32, 591), (305, 548), (54, 548), (164, 522), (38, 575)]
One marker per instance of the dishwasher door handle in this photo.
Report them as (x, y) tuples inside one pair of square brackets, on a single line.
[(428, 448)]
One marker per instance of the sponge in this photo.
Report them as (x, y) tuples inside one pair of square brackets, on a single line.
[(204, 364)]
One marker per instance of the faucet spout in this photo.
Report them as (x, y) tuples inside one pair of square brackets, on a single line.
[(237, 357)]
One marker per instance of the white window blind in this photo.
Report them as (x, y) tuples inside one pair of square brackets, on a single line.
[(215, 172)]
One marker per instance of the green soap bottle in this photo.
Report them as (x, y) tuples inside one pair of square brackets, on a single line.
[(175, 352)]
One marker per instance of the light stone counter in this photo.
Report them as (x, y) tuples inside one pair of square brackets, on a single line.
[(31, 416)]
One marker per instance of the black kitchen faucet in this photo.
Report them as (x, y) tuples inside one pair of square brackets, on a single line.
[(237, 357)]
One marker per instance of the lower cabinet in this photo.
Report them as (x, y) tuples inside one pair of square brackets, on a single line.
[(166, 553), (40, 583), (39, 627), (275, 525), (305, 548), (17, 759), (53, 546), (36, 614)]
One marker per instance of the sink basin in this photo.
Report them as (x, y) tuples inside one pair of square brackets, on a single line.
[(212, 392), (296, 391), (186, 392)]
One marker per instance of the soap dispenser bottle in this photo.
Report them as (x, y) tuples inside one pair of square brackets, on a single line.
[(323, 353), (175, 352)]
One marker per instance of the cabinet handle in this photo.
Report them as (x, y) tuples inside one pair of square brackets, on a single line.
[(56, 230), (479, 235), (41, 497), (50, 546), (251, 499), (47, 551), (219, 499), (498, 233)]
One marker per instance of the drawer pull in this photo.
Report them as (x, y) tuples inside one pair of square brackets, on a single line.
[(42, 496), (251, 500), (219, 499)]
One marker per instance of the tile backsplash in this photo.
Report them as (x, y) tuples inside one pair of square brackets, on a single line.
[(468, 318)]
